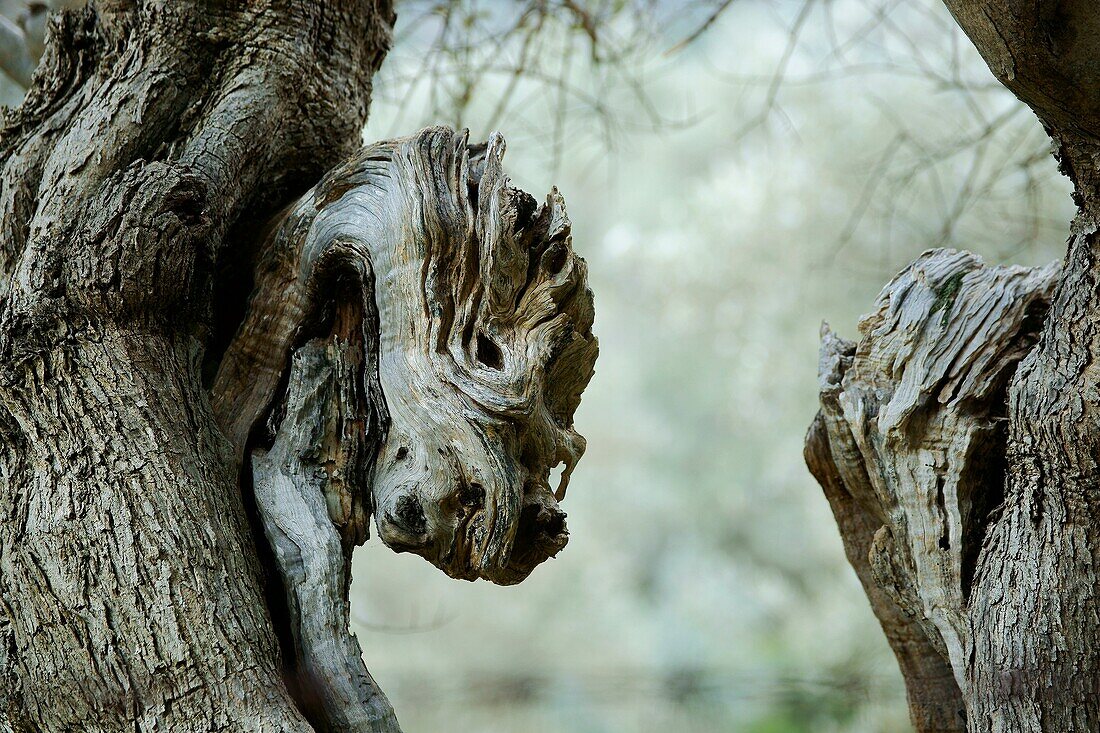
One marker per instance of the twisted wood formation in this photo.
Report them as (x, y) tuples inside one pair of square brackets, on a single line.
[(154, 140), (439, 346), (430, 339), (430, 329)]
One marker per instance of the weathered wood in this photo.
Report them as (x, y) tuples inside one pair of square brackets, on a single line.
[(1025, 654), (1035, 658), (313, 455), (915, 424), (460, 342), (419, 327), (484, 345), (935, 702)]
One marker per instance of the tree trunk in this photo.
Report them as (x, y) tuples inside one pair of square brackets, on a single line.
[(155, 139), (181, 495), (965, 426)]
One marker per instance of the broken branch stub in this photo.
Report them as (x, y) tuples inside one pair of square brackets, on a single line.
[(415, 346), (477, 342), (914, 419), (482, 366)]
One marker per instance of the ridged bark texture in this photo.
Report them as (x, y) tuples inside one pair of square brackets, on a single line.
[(987, 500), (210, 380), (909, 447), (156, 139)]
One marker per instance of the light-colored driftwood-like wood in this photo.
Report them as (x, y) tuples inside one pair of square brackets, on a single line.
[(914, 421), (316, 444), (140, 549), (445, 325), (935, 702), (1030, 581)]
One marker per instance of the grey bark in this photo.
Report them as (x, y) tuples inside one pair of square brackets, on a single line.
[(155, 134), (143, 584), (985, 496)]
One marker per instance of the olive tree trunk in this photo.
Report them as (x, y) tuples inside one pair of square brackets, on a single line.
[(156, 138), (216, 364), (958, 441)]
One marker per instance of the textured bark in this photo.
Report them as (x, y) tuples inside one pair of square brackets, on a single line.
[(1023, 641), (1035, 619), (155, 139), (182, 501)]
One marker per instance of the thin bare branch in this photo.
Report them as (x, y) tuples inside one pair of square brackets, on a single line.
[(16, 59)]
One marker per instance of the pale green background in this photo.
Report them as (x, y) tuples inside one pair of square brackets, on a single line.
[(704, 586)]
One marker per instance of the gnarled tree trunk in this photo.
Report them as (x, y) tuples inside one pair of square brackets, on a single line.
[(959, 441), (185, 469), (155, 140)]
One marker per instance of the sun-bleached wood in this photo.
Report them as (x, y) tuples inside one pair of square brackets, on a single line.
[(935, 702), (1031, 629), (415, 346), (910, 442)]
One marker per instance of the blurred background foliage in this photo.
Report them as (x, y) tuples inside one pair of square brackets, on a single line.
[(729, 194), (736, 172)]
